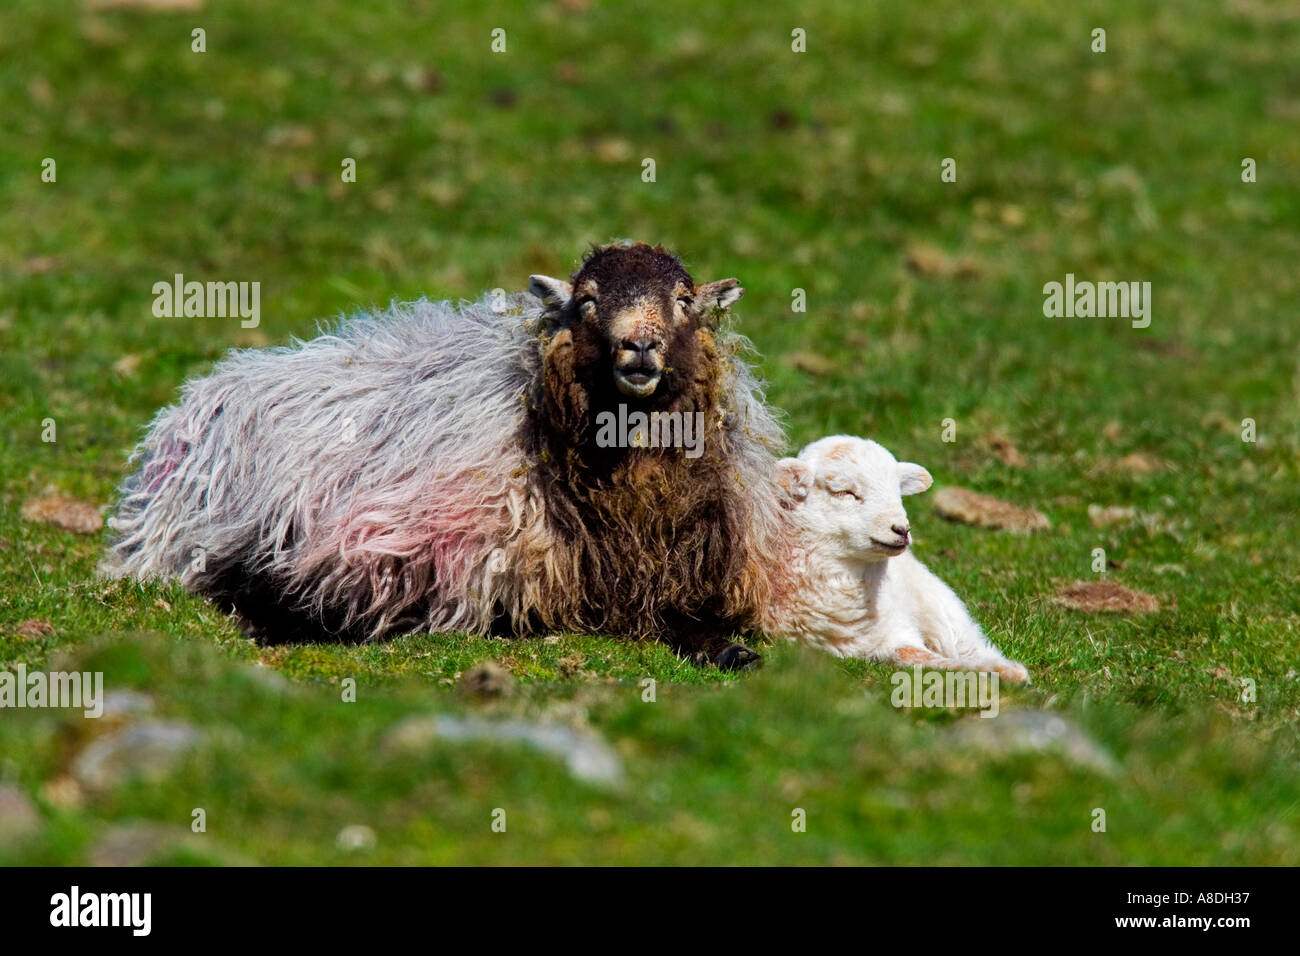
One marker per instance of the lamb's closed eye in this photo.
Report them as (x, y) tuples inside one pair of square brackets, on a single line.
[(837, 484)]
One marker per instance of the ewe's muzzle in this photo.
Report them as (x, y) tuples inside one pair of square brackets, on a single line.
[(638, 367)]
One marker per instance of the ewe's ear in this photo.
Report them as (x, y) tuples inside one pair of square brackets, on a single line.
[(717, 295), (913, 479), (795, 478), (555, 293)]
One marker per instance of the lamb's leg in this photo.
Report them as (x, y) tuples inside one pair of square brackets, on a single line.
[(913, 656), (1012, 671), (947, 624)]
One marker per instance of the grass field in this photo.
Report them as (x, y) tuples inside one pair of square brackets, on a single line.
[(818, 171)]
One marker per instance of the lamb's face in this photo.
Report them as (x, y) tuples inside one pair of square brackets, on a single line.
[(848, 495), (639, 309)]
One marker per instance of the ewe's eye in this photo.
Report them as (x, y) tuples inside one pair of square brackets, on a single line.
[(685, 301)]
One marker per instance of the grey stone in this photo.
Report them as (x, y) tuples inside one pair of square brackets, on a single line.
[(588, 757), (135, 843), (356, 836), (148, 749), (125, 703), (19, 818), (1033, 731)]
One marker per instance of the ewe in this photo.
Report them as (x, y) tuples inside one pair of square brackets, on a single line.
[(856, 590), (451, 468)]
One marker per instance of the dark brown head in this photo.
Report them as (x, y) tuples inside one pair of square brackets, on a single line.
[(638, 305)]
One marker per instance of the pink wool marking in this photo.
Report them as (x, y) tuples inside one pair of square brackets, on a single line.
[(448, 535), (159, 468)]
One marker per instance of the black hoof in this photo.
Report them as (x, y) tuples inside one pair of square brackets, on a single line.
[(737, 657)]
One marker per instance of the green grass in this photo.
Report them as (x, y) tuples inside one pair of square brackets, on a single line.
[(817, 171)]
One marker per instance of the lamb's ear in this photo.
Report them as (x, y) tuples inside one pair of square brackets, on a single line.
[(795, 478), (555, 293), (717, 295), (913, 479)]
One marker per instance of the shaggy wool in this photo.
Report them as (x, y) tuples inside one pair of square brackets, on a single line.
[(404, 471)]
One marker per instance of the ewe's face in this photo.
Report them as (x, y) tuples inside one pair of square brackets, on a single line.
[(641, 306), (849, 494)]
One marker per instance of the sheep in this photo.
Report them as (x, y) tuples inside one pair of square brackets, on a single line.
[(452, 468), (858, 591)]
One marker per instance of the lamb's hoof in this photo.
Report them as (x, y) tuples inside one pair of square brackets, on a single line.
[(1014, 671), (738, 657)]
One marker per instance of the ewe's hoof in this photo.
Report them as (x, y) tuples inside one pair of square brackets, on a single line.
[(736, 657)]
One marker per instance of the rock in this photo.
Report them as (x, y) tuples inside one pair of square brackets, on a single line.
[(19, 818), (970, 507), (290, 135), (612, 150), (1032, 731), (925, 259), (119, 704), (34, 628), (1006, 452), (63, 792), (1013, 217), (1140, 464), (570, 665), (147, 749), (811, 363), (929, 260), (80, 517), (136, 843), (150, 6), (487, 679), (141, 842), (1109, 515), (1095, 596), (1136, 464), (39, 265), (588, 757), (356, 836), (422, 79)]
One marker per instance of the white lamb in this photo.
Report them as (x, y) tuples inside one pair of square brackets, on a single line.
[(856, 591)]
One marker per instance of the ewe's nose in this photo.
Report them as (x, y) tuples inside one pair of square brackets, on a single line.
[(901, 530), (642, 347)]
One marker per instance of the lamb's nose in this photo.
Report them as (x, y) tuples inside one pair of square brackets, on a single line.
[(901, 530), (642, 347)]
